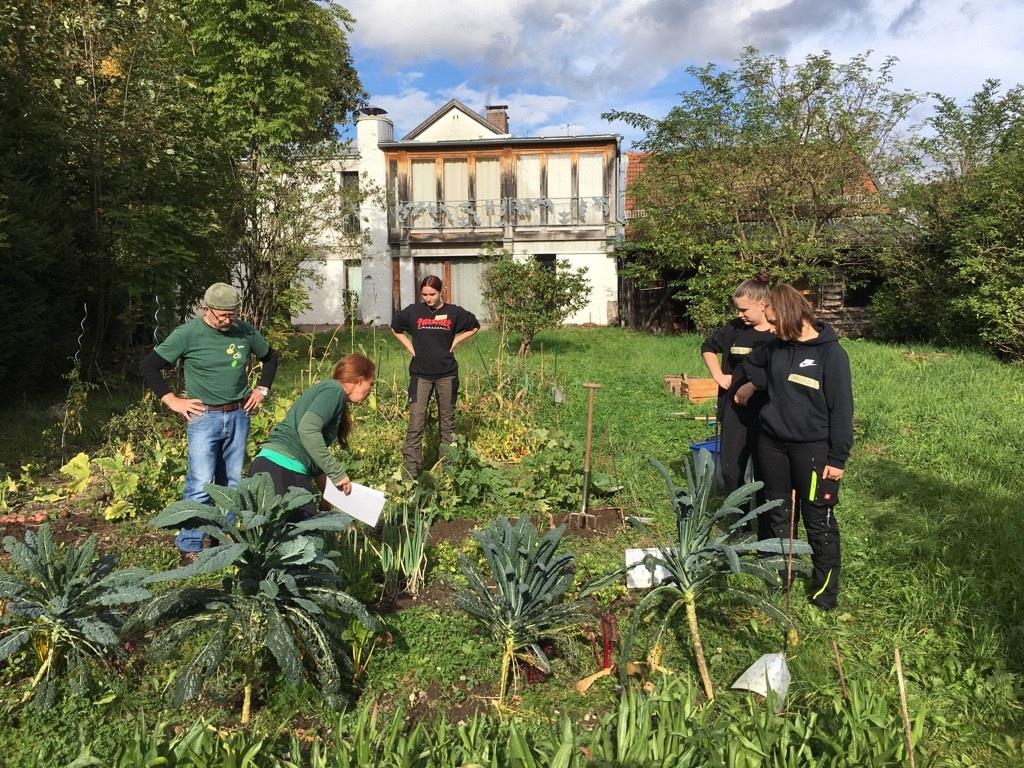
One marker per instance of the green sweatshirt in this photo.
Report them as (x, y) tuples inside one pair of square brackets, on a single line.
[(311, 425)]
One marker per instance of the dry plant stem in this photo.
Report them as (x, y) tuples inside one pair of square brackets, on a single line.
[(698, 647), (506, 667), (839, 669), (789, 555), (247, 703), (903, 709), (42, 671), (591, 388)]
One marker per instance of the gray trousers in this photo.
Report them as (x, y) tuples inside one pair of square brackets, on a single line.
[(445, 390)]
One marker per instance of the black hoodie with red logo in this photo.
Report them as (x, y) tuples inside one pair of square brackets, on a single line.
[(810, 394)]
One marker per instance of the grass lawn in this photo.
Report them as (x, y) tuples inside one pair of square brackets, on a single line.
[(931, 516)]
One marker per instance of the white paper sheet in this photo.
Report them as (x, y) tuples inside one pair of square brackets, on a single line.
[(364, 503)]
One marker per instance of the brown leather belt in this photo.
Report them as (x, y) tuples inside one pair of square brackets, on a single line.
[(224, 406)]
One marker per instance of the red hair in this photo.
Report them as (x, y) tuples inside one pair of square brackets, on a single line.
[(351, 369)]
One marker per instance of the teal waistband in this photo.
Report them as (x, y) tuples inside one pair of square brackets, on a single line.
[(287, 462)]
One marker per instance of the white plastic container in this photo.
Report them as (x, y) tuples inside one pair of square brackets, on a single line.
[(639, 575)]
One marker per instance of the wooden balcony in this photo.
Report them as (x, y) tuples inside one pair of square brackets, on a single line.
[(538, 218)]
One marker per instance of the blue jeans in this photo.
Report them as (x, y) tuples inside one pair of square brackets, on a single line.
[(216, 453)]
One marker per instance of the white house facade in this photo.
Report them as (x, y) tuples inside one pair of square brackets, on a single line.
[(459, 187)]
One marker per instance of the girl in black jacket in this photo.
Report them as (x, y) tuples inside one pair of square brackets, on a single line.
[(738, 424), (806, 429)]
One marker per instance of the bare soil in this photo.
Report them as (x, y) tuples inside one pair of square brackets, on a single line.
[(70, 523), (452, 531), (435, 594), (605, 521)]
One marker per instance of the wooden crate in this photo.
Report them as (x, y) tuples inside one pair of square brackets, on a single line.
[(695, 390)]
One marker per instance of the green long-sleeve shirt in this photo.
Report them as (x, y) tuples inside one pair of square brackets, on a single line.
[(309, 427)]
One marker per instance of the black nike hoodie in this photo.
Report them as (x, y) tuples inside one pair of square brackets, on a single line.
[(810, 395)]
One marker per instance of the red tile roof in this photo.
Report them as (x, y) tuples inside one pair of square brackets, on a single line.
[(635, 162)]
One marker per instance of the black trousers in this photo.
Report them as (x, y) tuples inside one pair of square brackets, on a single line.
[(446, 390), (285, 479), (737, 440), (785, 467), (739, 426)]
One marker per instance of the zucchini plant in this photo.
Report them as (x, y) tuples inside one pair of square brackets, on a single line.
[(282, 599), (65, 602), (527, 604)]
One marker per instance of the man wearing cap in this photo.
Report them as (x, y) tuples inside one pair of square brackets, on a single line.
[(214, 349)]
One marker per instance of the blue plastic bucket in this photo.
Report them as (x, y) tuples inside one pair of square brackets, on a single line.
[(706, 445), (712, 447)]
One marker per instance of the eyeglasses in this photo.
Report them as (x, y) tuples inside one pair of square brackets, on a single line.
[(226, 314)]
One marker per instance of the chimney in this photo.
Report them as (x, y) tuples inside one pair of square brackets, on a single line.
[(373, 126), (497, 115)]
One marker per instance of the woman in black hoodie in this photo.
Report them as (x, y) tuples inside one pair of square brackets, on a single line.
[(806, 429)]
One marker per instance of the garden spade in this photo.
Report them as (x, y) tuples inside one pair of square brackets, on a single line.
[(583, 518)]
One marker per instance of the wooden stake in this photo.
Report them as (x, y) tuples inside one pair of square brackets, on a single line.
[(903, 709), (789, 556), (839, 669), (587, 446)]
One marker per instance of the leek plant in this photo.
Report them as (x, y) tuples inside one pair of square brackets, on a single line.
[(403, 544)]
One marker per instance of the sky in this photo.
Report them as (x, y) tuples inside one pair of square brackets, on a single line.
[(558, 64)]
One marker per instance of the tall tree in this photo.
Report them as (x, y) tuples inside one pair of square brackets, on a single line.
[(770, 166), (279, 78), (143, 148), (110, 177), (38, 255), (958, 273)]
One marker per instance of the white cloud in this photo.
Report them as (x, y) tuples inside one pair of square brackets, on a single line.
[(531, 109), (948, 47), (457, 30), (407, 109), (590, 56)]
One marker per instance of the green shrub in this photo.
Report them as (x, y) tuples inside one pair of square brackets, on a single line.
[(526, 296)]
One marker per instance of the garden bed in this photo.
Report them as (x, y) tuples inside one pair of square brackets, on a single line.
[(928, 482)]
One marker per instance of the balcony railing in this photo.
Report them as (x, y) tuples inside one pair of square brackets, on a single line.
[(502, 212)]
